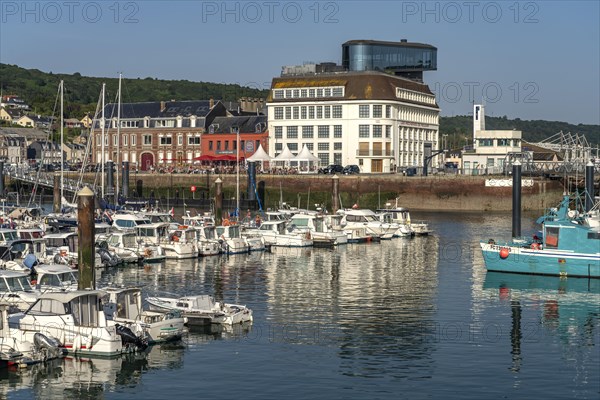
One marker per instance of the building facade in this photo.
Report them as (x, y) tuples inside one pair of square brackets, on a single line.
[(492, 149), (153, 134), (375, 120)]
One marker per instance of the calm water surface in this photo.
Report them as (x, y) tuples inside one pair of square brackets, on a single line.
[(407, 318)]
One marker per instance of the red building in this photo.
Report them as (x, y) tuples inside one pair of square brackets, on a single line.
[(220, 141)]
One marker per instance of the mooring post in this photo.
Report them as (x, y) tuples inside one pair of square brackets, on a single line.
[(56, 204), (516, 200), (125, 189), (251, 181), (589, 186), (335, 183), (218, 201), (110, 184), (86, 233)]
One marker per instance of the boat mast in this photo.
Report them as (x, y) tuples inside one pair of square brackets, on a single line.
[(237, 186), (102, 157), (62, 124), (118, 141)]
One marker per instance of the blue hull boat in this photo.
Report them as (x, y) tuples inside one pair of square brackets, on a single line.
[(568, 247)]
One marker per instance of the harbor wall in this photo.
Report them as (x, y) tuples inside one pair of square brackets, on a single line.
[(433, 193)]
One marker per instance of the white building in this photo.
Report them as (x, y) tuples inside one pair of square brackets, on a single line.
[(374, 120), (491, 148)]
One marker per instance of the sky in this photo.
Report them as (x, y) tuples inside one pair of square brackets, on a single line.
[(524, 59)]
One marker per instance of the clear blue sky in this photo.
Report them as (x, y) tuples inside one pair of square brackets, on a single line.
[(530, 59)]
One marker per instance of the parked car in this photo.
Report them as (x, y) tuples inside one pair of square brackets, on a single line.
[(331, 169), (351, 169)]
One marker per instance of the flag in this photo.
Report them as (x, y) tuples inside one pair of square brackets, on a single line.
[(172, 212)]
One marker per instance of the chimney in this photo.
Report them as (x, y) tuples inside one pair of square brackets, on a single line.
[(163, 106), (211, 103)]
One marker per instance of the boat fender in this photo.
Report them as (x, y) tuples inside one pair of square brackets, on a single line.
[(504, 252)]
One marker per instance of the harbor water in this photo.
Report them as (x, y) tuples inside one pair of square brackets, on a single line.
[(407, 318)]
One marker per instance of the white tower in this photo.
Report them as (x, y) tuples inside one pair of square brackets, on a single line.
[(478, 120)]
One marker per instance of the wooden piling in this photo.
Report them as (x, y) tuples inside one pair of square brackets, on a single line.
[(86, 235), (218, 201)]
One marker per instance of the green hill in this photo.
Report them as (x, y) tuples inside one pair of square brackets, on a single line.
[(39, 89)]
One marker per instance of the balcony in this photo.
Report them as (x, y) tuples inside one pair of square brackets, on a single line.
[(374, 153)]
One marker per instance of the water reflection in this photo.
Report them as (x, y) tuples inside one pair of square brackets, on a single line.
[(85, 378), (566, 309)]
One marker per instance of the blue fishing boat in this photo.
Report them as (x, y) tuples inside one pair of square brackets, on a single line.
[(568, 246)]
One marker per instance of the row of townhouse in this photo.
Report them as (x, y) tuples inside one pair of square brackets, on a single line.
[(21, 145)]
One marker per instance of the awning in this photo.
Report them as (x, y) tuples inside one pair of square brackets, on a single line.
[(204, 157)]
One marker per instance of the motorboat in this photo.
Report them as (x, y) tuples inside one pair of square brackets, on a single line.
[(17, 349), (566, 246), (203, 309), (158, 234), (55, 278), (320, 231), (16, 289), (124, 306), (231, 240), (353, 218), (77, 320)]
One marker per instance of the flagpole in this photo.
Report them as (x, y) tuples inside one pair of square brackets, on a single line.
[(237, 159)]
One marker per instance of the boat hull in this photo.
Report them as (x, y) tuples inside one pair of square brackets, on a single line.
[(540, 262)]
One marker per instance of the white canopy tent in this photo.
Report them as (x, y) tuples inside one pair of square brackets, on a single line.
[(304, 159), (285, 157), (260, 155)]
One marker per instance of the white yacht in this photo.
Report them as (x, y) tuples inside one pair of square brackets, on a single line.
[(78, 322), (319, 230), (203, 308), (353, 218), (275, 233), (231, 240), (55, 278), (16, 289), (158, 234), (124, 306)]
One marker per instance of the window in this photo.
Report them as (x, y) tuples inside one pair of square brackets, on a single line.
[(164, 123), (388, 131), (133, 140), (327, 110), (166, 140), (278, 132), (337, 91), (552, 237), (327, 92), (125, 140), (129, 124), (311, 112), (323, 158), (210, 145), (278, 113), (363, 111), (377, 111), (388, 111), (278, 147), (226, 144), (293, 146), (303, 112), (278, 94), (323, 131), (307, 132), (363, 131), (323, 146), (296, 111), (319, 112), (292, 132), (303, 93), (485, 142), (337, 146), (147, 139), (503, 142), (218, 145), (296, 93), (337, 158), (311, 92), (336, 111), (309, 146), (377, 131), (193, 140), (337, 131), (288, 93), (288, 113), (180, 140), (115, 140), (213, 128)]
